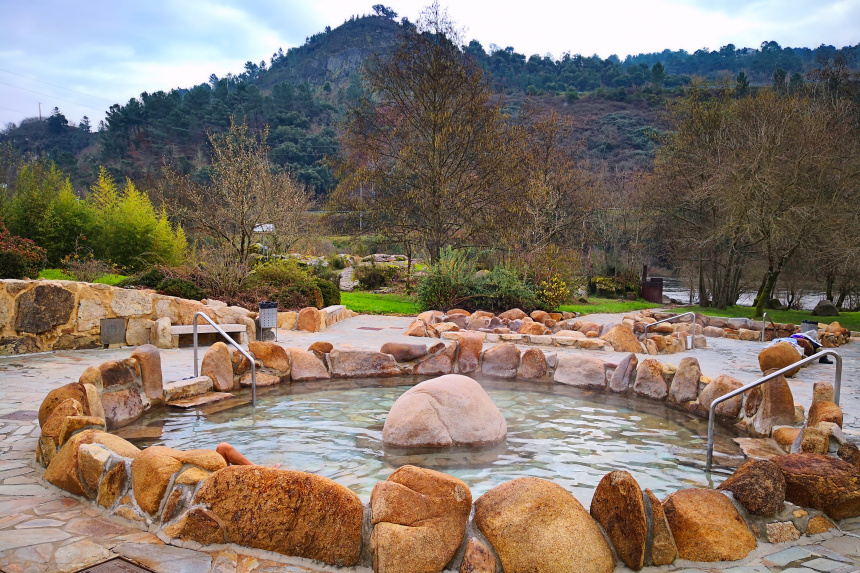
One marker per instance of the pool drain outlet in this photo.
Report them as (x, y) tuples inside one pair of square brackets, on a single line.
[(115, 565)]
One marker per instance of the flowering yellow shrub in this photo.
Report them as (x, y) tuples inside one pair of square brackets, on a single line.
[(553, 293)]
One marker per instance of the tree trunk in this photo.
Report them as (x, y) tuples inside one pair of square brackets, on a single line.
[(704, 300), (408, 268), (842, 295), (829, 280), (767, 288), (760, 289)]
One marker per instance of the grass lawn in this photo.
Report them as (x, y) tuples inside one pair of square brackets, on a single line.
[(60, 275), (55, 275), (607, 305), (110, 279), (370, 303), (850, 320)]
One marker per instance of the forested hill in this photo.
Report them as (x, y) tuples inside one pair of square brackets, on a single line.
[(302, 93)]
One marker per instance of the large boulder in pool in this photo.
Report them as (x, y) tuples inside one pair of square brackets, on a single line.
[(706, 526), (537, 526), (288, 512), (419, 518), (451, 410)]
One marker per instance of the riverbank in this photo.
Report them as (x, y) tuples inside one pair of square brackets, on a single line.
[(849, 320)]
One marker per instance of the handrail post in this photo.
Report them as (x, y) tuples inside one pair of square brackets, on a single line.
[(229, 339), (194, 331), (837, 378), (763, 325), (693, 347)]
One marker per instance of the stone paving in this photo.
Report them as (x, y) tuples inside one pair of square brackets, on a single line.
[(44, 529)]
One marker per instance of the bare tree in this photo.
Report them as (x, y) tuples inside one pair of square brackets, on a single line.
[(556, 192), (246, 197), (425, 161), (697, 228), (759, 177)]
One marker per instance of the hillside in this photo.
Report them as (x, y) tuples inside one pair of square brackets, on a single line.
[(333, 55), (303, 93)]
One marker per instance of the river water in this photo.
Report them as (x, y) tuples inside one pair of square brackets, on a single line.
[(679, 289)]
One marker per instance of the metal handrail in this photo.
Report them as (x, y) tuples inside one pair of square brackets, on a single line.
[(693, 314), (712, 412), (236, 346)]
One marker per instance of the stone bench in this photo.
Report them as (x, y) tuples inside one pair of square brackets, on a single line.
[(188, 329)]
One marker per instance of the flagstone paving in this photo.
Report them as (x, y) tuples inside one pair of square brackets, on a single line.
[(45, 530)]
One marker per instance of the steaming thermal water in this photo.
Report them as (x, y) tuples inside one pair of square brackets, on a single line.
[(554, 432)]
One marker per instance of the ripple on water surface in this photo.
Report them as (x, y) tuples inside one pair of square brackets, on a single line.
[(554, 432)]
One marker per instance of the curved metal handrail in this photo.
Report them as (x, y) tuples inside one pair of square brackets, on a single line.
[(693, 314), (235, 345), (711, 413)]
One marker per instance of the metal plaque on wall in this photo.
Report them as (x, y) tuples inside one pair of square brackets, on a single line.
[(112, 331)]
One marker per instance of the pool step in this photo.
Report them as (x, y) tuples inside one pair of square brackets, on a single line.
[(187, 388), (139, 432), (200, 400), (227, 404), (759, 448)]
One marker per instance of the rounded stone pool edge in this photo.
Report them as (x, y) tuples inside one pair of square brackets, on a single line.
[(176, 481), (628, 334)]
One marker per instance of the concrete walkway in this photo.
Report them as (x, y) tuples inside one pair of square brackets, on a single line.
[(43, 529)]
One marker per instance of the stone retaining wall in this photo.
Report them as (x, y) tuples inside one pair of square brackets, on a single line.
[(38, 316), (422, 520), (311, 319)]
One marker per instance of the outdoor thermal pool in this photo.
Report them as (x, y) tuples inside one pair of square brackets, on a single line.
[(559, 433)]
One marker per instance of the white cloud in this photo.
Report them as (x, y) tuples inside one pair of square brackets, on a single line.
[(115, 50)]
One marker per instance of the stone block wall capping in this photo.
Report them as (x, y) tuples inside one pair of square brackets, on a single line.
[(42, 315), (837, 383), (240, 329)]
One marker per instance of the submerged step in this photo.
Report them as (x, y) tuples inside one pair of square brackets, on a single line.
[(759, 448), (201, 400), (187, 388)]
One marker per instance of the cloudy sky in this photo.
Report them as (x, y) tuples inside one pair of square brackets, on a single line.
[(84, 56)]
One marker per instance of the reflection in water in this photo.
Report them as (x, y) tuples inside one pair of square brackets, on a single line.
[(555, 432)]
